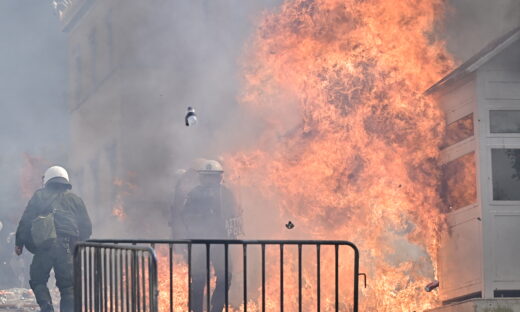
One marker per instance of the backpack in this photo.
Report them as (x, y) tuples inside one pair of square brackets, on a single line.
[(43, 230)]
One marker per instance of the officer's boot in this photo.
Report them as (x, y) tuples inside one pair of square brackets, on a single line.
[(67, 299), (43, 297)]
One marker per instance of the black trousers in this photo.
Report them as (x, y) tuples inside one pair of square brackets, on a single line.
[(59, 258), (199, 281)]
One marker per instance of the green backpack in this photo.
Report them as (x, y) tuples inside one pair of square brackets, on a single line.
[(43, 230)]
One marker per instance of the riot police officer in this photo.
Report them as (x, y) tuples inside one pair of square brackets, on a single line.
[(186, 180), (210, 212), (53, 221)]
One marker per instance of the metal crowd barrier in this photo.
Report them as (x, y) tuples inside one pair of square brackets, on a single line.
[(110, 277), (262, 243)]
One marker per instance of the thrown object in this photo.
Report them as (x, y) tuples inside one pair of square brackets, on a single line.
[(191, 117)]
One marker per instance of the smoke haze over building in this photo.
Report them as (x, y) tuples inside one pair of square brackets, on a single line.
[(107, 98)]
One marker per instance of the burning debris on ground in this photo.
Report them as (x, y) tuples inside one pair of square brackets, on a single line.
[(17, 299), (21, 300)]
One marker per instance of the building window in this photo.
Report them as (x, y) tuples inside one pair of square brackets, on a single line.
[(504, 121), (458, 131), (506, 173), (459, 183)]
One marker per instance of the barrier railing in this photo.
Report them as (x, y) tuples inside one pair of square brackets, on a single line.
[(110, 277), (207, 245)]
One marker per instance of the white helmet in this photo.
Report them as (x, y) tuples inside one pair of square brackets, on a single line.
[(56, 174), (210, 167)]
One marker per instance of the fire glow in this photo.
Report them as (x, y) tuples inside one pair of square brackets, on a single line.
[(123, 189), (350, 145)]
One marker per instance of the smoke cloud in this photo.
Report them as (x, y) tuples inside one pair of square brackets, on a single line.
[(471, 24), (33, 113), (127, 121)]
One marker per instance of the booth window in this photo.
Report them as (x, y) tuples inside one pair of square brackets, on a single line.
[(504, 121), (458, 131), (506, 173), (459, 183)]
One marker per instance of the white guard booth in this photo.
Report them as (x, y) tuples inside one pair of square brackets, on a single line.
[(479, 259)]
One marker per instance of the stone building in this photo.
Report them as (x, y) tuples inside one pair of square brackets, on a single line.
[(134, 67)]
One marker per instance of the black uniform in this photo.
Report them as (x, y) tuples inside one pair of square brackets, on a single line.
[(72, 223), (187, 182), (206, 213)]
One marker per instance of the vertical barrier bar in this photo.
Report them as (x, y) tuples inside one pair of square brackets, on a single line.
[(127, 282), (135, 293), (111, 278), (356, 278), (189, 277), (152, 298), (226, 277), (208, 272), (149, 281), (118, 278), (105, 280), (143, 279), (170, 254), (263, 277), (97, 279), (281, 277), (150, 284), (153, 283), (336, 275), (90, 278), (244, 255), (85, 278), (300, 277), (77, 279), (318, 277)]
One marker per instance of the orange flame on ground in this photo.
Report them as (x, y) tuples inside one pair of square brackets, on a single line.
[(123, 189), (179, 278), (350, 143)]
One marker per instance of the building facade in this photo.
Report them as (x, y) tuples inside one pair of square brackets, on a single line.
[(481, 188), (135, 66)]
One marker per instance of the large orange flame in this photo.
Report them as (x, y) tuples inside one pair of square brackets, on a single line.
[(349, 144)]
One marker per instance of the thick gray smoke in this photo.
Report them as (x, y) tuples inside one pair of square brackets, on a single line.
[(471, 24), (34, 119), (165, 58), (108, 97)]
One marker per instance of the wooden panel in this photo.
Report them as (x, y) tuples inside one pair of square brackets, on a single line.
[(460, 255), (459, 102)]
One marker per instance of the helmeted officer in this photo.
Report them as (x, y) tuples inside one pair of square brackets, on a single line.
[(71, 223), (210, 212), (186, 180)]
